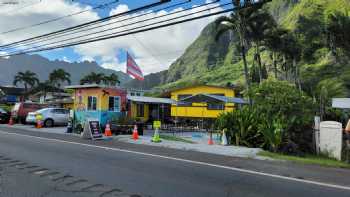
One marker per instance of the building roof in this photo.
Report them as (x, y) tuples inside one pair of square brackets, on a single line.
[(145, 99), (89, 86), (61, 101), (209, 98), (167, 92), (11, 90), (198, 85)]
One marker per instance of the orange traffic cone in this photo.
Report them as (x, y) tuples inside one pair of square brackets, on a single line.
[(135, 134), (108, 130), (210, 141), (11, 121), (39, 124)]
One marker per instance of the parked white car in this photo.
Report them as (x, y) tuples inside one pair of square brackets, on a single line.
[(51, 116)]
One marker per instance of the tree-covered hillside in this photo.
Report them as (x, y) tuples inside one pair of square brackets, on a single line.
[(318, 55)]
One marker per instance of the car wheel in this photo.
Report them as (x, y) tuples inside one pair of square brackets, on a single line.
[(48, 123)]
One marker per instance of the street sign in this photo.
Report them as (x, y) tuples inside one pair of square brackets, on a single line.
[(157, 124), (342, 103), (92, 130)]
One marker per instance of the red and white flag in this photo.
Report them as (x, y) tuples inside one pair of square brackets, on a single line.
[(133, 69)]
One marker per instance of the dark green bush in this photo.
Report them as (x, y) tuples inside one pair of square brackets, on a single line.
[(280, 114)]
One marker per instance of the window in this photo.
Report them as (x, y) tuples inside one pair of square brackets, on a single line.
[(132, 94), (60, 111), (138, 94), (114, 103), (216, 106), (140, 110), (182, 96), (92, 103)]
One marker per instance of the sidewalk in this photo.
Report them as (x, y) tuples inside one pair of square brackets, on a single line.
[(200, 142), (57, 130), (199, 145)]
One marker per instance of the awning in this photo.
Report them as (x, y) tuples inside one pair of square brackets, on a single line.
[(209, 98), (154, 100)]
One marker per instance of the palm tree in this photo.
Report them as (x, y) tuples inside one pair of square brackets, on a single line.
[(291, 51), (93, 78), (260, 24), (273, 41), (237, 23), (111, 80), (59, 76), (27, 78)]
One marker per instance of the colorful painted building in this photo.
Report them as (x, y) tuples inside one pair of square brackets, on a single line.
[(98, 102), (202, 101)]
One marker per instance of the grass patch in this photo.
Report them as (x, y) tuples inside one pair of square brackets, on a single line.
[(308, 159), (175, 138)]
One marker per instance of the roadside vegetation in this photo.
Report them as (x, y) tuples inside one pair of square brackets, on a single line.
[(307, 159), (285, 88)]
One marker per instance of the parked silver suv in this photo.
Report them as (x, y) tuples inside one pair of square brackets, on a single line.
[(51, 116)]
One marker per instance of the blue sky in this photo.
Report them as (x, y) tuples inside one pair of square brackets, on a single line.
[(153, 51)]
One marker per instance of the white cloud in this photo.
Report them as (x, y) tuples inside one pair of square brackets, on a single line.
[(87, 58), (46, 10), (153, 51), (65, 59)]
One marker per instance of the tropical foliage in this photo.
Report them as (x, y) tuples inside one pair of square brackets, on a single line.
[(100, 78), (280, 114), (27, 78), (241, 126), (59, 76)]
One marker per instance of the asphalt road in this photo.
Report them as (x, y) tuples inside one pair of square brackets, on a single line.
[(149, 175)]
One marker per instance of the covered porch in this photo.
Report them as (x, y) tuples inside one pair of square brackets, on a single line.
[(148, 109)]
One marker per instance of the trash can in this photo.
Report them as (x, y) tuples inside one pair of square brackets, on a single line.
[(70, 126)]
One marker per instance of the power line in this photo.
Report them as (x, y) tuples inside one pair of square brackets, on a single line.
[(23, 7), (92, 28), (137, 31), (134, 23), (118, 35), (101, 6), (91, 22)]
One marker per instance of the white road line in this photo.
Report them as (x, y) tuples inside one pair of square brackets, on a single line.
[(189, 161)]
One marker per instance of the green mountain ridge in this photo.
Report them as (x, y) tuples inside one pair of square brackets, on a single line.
[(43, 66), (207, 61)]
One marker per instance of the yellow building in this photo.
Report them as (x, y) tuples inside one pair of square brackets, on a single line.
[(203, 101), (147, 109)]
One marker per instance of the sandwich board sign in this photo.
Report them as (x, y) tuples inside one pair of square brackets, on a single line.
[(92, 130)]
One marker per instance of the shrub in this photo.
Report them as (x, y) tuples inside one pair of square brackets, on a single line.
[(280, 101), (241, 126), (280, 115), (272, 130)]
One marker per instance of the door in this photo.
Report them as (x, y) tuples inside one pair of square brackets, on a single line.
[(61, 116)]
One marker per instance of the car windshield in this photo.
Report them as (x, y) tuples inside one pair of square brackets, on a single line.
[(43, 110)]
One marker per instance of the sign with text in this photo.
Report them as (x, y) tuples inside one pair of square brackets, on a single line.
[(92, 130)]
